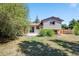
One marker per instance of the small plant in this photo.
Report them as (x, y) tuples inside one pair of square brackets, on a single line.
[(46, 32)]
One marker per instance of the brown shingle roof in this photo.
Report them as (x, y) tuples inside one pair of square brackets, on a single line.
[(56, 18)]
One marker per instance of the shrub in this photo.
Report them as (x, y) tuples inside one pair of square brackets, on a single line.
[(42, 32), (50, 32), (13, 20), (46, 32), (76, 29)]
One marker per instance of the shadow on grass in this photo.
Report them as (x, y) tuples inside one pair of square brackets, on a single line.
[(74, 47), (39, 49), (4, 40)]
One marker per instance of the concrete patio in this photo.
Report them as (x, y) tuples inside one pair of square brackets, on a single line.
[(32, 34)]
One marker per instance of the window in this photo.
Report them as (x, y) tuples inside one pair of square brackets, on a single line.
[(37, 27), (52, 22)]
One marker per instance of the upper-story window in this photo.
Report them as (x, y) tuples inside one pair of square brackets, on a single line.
[(53, 22)]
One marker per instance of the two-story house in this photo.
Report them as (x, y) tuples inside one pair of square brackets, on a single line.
[(53, 23)]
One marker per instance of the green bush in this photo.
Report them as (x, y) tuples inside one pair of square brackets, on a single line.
[(13, 20), (76, 29), (46, 32)]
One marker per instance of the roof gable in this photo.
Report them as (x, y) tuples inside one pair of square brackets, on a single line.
[(52, 18)]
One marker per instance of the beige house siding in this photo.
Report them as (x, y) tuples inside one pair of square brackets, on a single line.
[(36, 30), (47, 25)]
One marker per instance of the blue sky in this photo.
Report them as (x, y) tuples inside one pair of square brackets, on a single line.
[(64, 11)]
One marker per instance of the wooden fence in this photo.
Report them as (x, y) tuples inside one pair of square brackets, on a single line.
[(67, 31)]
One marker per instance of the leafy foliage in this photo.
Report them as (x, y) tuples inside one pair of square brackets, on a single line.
[(64, 26), (36, 20), (46, 32), (13, 20), (72, 23), (76, 28)]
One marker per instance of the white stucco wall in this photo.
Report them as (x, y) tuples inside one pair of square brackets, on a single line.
[(47, 25), (36, 30)]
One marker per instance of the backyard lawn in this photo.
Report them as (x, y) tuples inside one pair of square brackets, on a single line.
[(42, 46)]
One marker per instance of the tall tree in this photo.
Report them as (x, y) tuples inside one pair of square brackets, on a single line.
[(78, 21), (72, 23), (36, 20), (64, 26), (13, 19)]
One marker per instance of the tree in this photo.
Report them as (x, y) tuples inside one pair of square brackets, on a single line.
[(78, 21), (36, 20), (72, 23), (64, 26), (13, 19), (76, 28)]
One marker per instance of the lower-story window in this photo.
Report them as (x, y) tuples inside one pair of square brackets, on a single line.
[(32, 29), (37, 27)]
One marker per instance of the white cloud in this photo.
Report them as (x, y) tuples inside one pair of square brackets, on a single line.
[(73, 4)]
